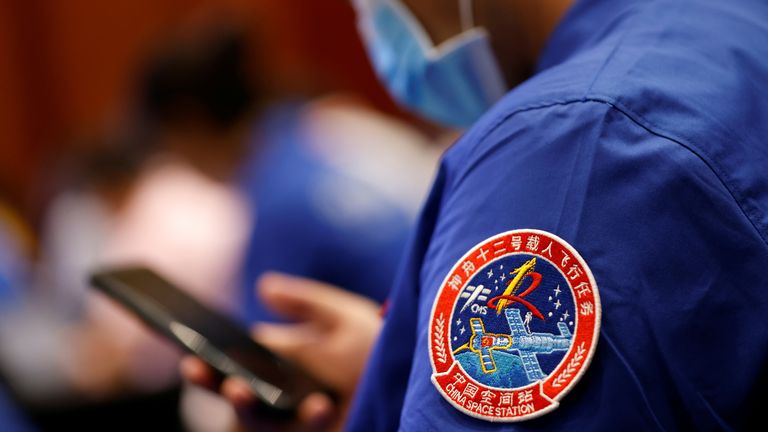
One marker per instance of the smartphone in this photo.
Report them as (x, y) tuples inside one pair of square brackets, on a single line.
[(215, 338)]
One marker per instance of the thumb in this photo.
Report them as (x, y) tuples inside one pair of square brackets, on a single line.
[(287, 340), (307, 300)]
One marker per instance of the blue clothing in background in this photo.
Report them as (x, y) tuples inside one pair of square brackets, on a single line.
[(10, 418), (313, 220), (11, 271), (11, 275), (642, 140)]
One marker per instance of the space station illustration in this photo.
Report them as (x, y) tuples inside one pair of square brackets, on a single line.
[(525, 343)]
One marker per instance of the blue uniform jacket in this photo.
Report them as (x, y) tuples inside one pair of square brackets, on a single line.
[(306, 223), (642, 140)]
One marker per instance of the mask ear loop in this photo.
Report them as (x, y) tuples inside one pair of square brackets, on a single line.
[(466, 15)]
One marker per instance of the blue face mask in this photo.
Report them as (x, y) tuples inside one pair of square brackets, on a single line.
[(453, 83)]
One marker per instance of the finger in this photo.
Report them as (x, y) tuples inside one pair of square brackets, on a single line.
[(306, 299), (292, 297), (198, 372), (317, 411), (288, 340), (239, 393), (246, 406)]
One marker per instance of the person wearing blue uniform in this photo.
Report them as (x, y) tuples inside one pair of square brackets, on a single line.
[(593, 251), (310, 216), (302, 225), (640, 141)]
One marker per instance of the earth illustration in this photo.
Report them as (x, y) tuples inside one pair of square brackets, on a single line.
[(509, 372)]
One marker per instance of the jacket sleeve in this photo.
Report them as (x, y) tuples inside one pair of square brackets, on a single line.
[(679, 266)]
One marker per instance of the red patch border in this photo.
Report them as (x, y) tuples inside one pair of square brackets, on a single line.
[(543, 396)]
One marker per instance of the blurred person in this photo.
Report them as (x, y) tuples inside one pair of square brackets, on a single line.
[(332, 185), (215, 185), (75, 357), (325, 203), (219, 183), (627, 155)]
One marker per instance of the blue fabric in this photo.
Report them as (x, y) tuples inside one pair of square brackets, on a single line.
[(10, 273), (10, 418), (300, 227), (642, 140)]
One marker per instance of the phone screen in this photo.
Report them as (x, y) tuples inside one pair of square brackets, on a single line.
[(212, 336)]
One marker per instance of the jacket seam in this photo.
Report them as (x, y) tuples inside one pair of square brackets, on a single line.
[(752, 215)]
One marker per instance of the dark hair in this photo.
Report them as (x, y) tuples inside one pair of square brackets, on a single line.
[(106, 159), (206, 78)]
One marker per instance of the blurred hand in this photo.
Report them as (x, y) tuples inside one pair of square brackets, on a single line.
[(331, 339)]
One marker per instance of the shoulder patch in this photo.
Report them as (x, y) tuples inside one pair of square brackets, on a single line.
[(514, 326)]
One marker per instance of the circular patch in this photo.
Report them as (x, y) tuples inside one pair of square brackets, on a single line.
[(514, 326)]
